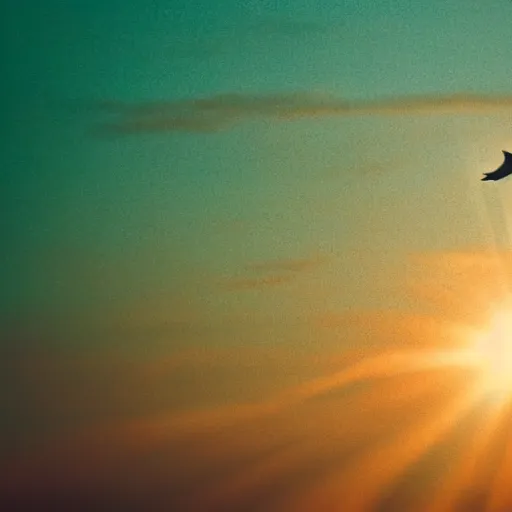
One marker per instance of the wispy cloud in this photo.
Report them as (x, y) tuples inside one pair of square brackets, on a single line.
[(460, 286), (292, 265), (252, 283), (278, 272), (223, 111)]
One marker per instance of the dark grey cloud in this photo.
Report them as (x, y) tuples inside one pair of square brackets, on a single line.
[(223, 111)]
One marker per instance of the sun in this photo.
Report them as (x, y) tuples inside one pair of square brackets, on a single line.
[(493, 352)]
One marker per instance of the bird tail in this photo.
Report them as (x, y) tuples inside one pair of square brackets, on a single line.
[(486, 178)]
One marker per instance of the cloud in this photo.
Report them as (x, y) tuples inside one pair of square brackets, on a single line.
[(223, 111), (236, 284), (460, 286), (291, 265), (278, 272)]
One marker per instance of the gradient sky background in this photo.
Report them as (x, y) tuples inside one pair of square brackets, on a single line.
[(210, 210)]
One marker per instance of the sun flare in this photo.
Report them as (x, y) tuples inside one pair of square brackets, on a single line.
[(493, 350)]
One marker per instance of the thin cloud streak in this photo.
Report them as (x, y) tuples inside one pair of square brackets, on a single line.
[(278, 272), (297, 265), (218, 112), (256, 283)]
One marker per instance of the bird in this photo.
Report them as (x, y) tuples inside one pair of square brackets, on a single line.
[(501, 172)]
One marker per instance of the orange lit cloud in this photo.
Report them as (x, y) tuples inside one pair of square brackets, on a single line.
[(460, 286)]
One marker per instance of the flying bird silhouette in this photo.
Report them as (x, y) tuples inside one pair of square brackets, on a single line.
[(501, 172)]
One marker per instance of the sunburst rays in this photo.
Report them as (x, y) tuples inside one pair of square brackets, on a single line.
[(361, 485), (352, 435)]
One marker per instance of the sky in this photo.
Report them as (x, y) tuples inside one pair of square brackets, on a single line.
[(248, 259)]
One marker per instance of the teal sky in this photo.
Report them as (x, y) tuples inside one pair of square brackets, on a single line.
[(69, 191), (183, 176)]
